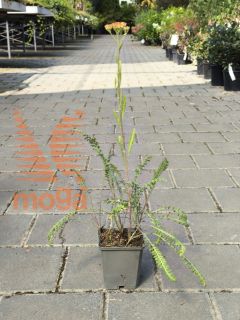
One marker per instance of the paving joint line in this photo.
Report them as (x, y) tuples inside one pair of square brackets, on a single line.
[(62, 269), (214, 307), (29, 231), (232, 178), (105, 302), (214, 198)]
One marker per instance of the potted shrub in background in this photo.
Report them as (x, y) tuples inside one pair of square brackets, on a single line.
[(216, 52), (224, 53), (122, 237), (199, 50)]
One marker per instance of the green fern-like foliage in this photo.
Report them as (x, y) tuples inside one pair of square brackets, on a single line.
[(112, 174), (159, 259), (58, 226), (166, 238), (157, 175), (194, 270)]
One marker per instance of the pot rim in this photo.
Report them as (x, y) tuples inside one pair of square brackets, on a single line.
[(121, 248)]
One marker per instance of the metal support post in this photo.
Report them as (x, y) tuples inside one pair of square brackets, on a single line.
[(74, 32), (8, 41), (62, 34), (23, 38), (53, 38), (34, 38)]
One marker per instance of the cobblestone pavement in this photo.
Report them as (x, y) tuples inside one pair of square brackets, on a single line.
[(177, 114)]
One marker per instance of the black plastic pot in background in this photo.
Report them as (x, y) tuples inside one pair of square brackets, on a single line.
[(167, 52), (170, 54), (199, 66), (217, 75), (121, 266), (230, 85), (180, 58), (206, 70), (174, 55)]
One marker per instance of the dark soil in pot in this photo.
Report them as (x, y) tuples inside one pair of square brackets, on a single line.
[(121, 264), (217, 75), (229, 84), (115, 238), (206, 70)]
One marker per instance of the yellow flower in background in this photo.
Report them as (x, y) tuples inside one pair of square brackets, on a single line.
[(118, 27)]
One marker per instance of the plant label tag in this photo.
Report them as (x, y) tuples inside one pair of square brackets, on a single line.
[(185, 56), (231, 73), (174, 40)]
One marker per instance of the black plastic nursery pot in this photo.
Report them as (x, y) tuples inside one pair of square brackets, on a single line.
[(167, 52), (229, 84), (175, 55), (206, 70), (121, 266), (170, 54), (200, 67), (180, 59), (217, 75)]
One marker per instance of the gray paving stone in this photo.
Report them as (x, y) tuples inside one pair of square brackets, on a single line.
[(215, 228), (158, 305), (229, 198), (11, 165), (175, 128), (175, 162), (92, 179), (229, 305), (160, 137), (29, 269), (13, 228), (95, 163), (235, 173), (232, 136), (20, 181), (218, 263), (216, 127), (84, 271), (84, 306), (5, 200), (225, 147), (218, 161), (150, 148), (185, 148), (189, 200), (202, 178), (202, 137), (81, 229)]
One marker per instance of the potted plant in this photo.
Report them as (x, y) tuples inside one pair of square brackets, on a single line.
[(231, 61), (185, 27), (122, 238), (224, 51), (198, 48), (216, 52)]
